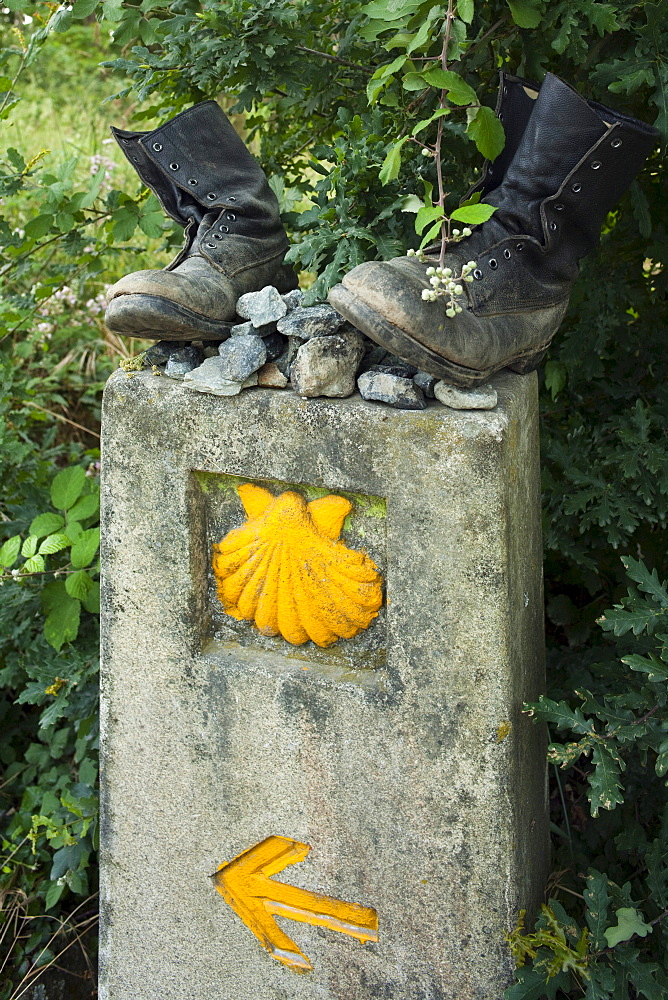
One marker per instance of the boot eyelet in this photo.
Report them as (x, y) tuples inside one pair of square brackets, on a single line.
[(224, 229), (231, 198), (500, 117), (576, 188), (477, 274), (173, 166), (553, 227), (193, 181), (558, 207), (616, 143), (135, 159), (217, 236), (211, 196), (596, 165), (211, 246), (506, 254), (231, 216), (519, 246), (157, 146), (493, 263)]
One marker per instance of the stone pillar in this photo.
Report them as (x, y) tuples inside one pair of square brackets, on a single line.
[(400, 756)]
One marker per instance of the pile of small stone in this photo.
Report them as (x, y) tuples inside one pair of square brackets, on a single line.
[(310, 349)]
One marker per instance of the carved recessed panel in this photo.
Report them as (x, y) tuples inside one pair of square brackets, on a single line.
[(287, 571), (295, 569)]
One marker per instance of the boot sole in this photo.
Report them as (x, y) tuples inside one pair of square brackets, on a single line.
[(155, 318), (398, 342)]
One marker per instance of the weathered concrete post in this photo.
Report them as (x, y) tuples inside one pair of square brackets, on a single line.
[(399, 755)]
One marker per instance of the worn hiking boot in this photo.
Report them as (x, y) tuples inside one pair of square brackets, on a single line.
[(574, 161), (235, 242)]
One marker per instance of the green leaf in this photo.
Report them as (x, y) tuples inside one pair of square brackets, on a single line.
[(556, 376), (67, 486), (392, 163), (39, 226), (473, 214), (29, 547), (629, 922), (85, 548), (33, 565), (656, 671), (525, 13), (411, 203), (73, 529), (54, 543), (391, 10), (643, 977), (465, 9), (647, 581), (67, 858), (83, 8), (78, 584), (598, 901), (426, 216), (10, 551), (414, 81), (432, 233), (16, 160), (427, 121), (605, 788), (389, 69), (85, 507), (458, 90), (62, 624), (92, 601), (45, 524), (152, 224), (533, 985), (487, 132), (53, 894)]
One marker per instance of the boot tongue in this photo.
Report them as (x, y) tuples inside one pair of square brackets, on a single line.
[(561, 130)]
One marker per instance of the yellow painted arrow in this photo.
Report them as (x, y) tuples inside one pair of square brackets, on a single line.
[(245, 883)]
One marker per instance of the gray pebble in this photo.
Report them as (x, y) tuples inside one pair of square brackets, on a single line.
[(311, 321), (270, 375), (241, 356), (158, 354), (327, 366), (402, 393), (265, 306), (293, 299), (244, 330), (426, 383), (182, 361), (482, 397), (275, 345), (210, 377)]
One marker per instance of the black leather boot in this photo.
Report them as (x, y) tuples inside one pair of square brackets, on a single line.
[(574, 162), (208, 182), (514, 104)]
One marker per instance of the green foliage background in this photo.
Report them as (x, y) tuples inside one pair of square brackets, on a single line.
[(329, 95)]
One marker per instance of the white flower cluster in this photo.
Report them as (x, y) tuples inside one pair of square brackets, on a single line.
[(97, 305), (446, 284)]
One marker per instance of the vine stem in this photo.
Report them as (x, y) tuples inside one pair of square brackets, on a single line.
[(439, 133)]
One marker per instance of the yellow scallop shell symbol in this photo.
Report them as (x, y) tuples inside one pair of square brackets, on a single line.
[(286, 570)]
